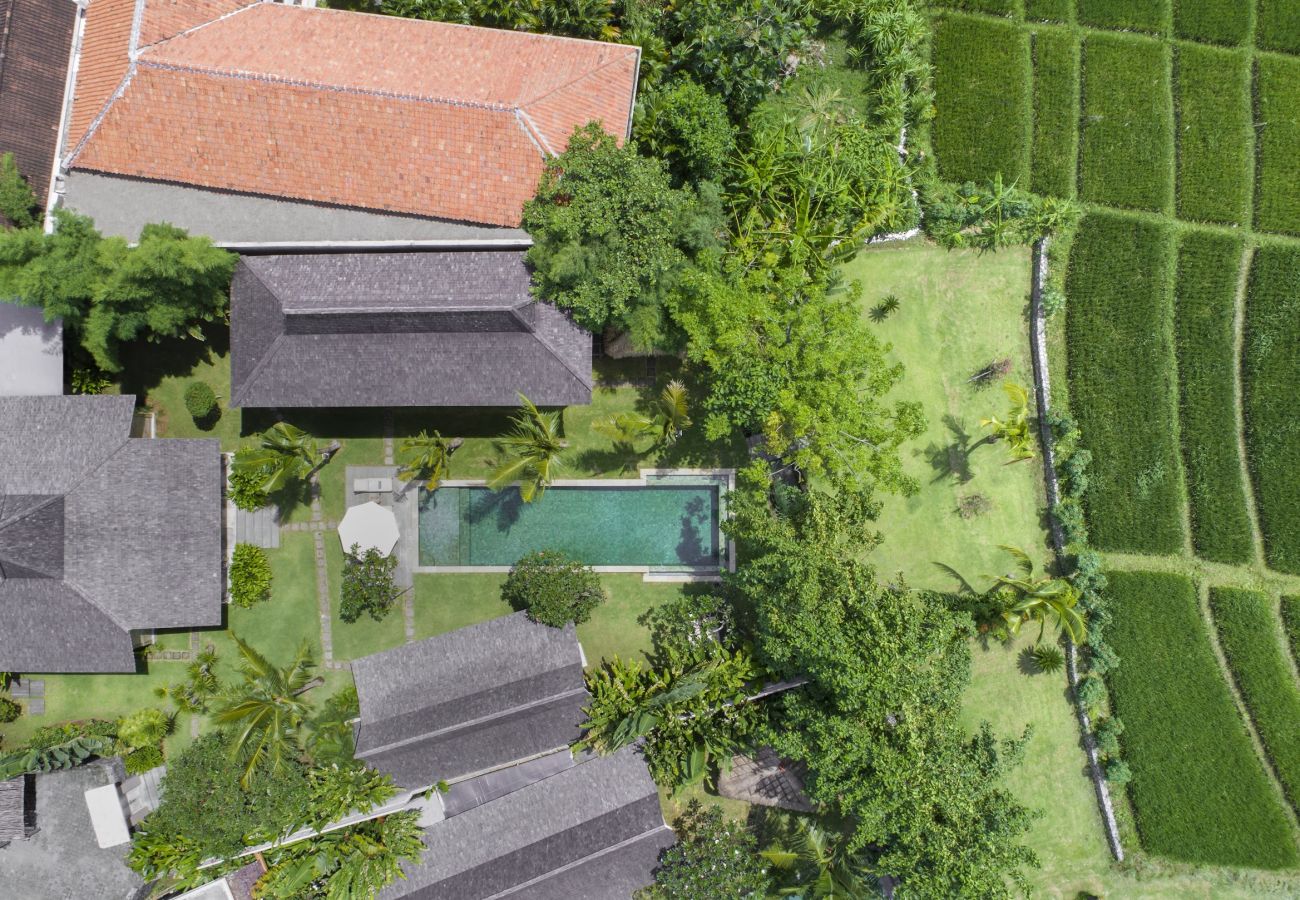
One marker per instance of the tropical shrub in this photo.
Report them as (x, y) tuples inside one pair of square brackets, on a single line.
[(367, 585), (554, 588), (713, 857), (1048, 658), (1277, 25), (1277, 87), (888, 39), (10, 710), (1214, 21), (575, 18), (1107, 732), (246, 483), (142, 759), (1056, 113), (1271, 383), (1118, 772), (1147, 15), (284, 458), (1183, 739), (199, 687), (982, 79), (1127, 145), (200, 401), (89, 381), (354, 862), (992, 215), (250, 576), (18, 204), (143, 728), (330, 738), (1119, 342), (686, 127), (1216, 138), (65, 754), (1208, 267), (337, 790)]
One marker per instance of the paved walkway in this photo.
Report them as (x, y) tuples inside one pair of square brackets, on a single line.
[(404, 504), (766, 780), (260, 527)]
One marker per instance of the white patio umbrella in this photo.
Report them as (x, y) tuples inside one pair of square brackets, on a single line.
[(369, 525)]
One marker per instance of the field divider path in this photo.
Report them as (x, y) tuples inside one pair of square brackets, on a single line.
[(1239, 400)]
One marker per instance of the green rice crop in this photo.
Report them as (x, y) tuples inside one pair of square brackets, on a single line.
[(1123, 390), (1049, 10), (1215, 135), (1128, 123), (1208, 267), (982, 81), (1015, 8), (1271, 382), (1200, 793), (1056, 113), (1277, 197), (1291, 622), (1277, 25), (1129, 15), (1212, 21)]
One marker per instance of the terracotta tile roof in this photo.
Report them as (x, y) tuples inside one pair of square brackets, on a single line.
[(318, 105), (105, 58)]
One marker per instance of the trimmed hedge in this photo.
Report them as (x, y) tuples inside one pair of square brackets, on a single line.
[(982, 79), (1277, 25), (1212, 21), (1248, 635), (1012, 8), (1127, 147), (1123, 391), (1291, 622), (1216, 138), (1199, 791), (1271, 382), (1056, 113), (1050, 10), (1208, 268), (1129, 15), (1277, 198)]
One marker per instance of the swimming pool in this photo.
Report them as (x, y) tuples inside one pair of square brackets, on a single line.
[(665, 521)]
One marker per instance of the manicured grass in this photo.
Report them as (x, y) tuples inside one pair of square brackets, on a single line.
[(1215, 135), (446, 602), (1291, 622), (1249, 636), (1129, 15), (1272, 384), (1208, 267), (1012, 8), (1199, 791), (1121, 368), (1056, 113), (960, 311), (983, 74), (1213, 21), (1127, 144), (166, 397), (1277, 197), (352, 640), (1277, 25), (1049, 10)]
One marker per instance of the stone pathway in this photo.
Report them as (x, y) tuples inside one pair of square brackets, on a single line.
[(32, 693), (388, 437), (766, 780), (318, 526)]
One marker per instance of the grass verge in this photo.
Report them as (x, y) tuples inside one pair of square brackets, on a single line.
[(1056, 113), (1215, 135)]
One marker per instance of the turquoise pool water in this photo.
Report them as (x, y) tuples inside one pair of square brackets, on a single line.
[(670, 525)]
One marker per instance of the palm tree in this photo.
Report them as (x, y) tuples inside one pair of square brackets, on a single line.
[(809, 863), (428, 458), (532, 452), (287, 453), (1015, 430), (1015, 601), (669, 417), (267, 710)]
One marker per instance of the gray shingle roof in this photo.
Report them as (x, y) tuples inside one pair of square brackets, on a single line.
[(100, 534), (446, 328), (593, 832), (469, 700)]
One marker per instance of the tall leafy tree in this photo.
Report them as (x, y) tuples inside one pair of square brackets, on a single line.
[(18, 203), (58, 272), (532, 452), (713, 857), (687, 127)]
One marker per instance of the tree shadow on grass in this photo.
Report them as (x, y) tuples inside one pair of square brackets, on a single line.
[(145, 364), (952, 460)]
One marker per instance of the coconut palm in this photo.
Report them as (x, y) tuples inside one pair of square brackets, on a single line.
[(267, 711), (287, 453), (428, 458), (532, 452), (809, 863), (669, 417), (1010, 601), (1015, 430)]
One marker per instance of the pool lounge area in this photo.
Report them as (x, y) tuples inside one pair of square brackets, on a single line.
[(664, 524)]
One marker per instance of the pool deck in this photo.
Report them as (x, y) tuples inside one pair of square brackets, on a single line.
[(404, 501)]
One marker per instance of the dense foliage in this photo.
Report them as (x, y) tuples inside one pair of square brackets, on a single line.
[(991, 215), (1277, 91), (18, 204), (353, 863), (250, 576), (10, 710), (554, 588), (247, 482), (684, 125), (1127, 145), (1208, 267), (1183, 739), (367, 585), (1216, 139), (1056, 113), (713, 857), (575, 18)]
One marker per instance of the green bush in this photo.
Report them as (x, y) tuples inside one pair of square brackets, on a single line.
[(1056, 113), (200, 401), (1248, 635), (1271, 383), (1212, 21), (1129, 15), (1049, 10), (1208, 267), (10, 710), (554, 588), (1277, 25), (143, 759), (143, 728), (18, 205), (367, 585), (246, 486), (982, 79), (1277, 202), (1121, 370), (250, 576), (1199, 791), (1012, 8), (686, 127), (1291, 622), (1216, 138), (1127, 146)]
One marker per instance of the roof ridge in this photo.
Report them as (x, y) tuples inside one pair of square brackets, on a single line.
[(100, 116), (568, 84), (270, 351), (135, 36), (541, 339)]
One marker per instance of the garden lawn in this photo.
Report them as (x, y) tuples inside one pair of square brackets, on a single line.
[(1208, 267), (982, 79), (1216, 138), (167, 400), (1127, 144), (1200, 793), (1291, 622), (1049, 10), (446, 602), (1248, 633), (1129, 15), (1277, 197), (1123, 388), (1272, 384), (960, 311), (1213, 21), (352, 640), (1056, 112), (1277, 25)]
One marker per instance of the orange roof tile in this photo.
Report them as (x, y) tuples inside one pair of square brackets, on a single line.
[(348, 108)]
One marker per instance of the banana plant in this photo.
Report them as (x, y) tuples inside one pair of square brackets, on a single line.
[(1015, 429), (809, 862)]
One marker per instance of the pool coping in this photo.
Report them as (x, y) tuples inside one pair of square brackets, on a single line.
[(647, 573)]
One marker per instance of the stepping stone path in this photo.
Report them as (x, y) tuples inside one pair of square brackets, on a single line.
[(766, 780), (32, 693)]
